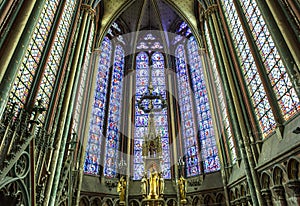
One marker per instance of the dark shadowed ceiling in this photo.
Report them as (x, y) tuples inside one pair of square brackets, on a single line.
[(149, 15), (138, 15)]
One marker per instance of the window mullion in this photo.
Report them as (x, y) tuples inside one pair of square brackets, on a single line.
[(260, 66)]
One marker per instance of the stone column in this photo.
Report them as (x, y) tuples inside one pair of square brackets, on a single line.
[(280, 193), (14, 35), (267, 196), (285, 29), (246, 152), (85, 133), (9, 73), (170, 75), (295, 186), (69, 98), (220, 145), (130, 128)]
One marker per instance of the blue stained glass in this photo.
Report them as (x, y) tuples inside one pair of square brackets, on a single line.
[(210, 159), (182, 26), (113, 125), (158, 77), (189, 133), (142, 66), (92, 162), (141, 119)]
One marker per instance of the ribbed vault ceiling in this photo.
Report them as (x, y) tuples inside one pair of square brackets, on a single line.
[(140, 15)]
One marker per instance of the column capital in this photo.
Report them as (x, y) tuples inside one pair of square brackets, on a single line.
[(210, 9), (88, 8)]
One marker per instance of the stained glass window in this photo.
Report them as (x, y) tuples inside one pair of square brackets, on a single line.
[(161, 119), (141, 118), (183, 30), (116, 26), (115, 31), (33, 54), (56, 53), (285, 93), (93, 159), (189, 129), (150, 37), (252, 78), (177, 39), (142, 45), (182, 26), (114, 112), (222, 101), (149, 43), (209, 149)]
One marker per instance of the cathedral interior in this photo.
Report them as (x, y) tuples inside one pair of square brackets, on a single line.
[(149, 102)]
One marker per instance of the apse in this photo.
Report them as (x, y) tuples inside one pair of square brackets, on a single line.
[(151, 36)]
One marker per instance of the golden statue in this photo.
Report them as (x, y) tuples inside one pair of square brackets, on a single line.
[(161, 184), (182, 184), (121, 189), (153, 184), (144, 185)]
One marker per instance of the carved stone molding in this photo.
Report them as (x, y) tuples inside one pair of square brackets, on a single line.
[(279, 191), (295, 186), (110, 184), (88, 8), (195, 182), (267, 195), (211, 9)]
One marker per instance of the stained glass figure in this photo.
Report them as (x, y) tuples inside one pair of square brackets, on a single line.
[(189, 129), (209, 149), (114, 114), (93, 159)]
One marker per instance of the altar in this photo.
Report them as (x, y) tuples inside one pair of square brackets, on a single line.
[(152, 182)]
